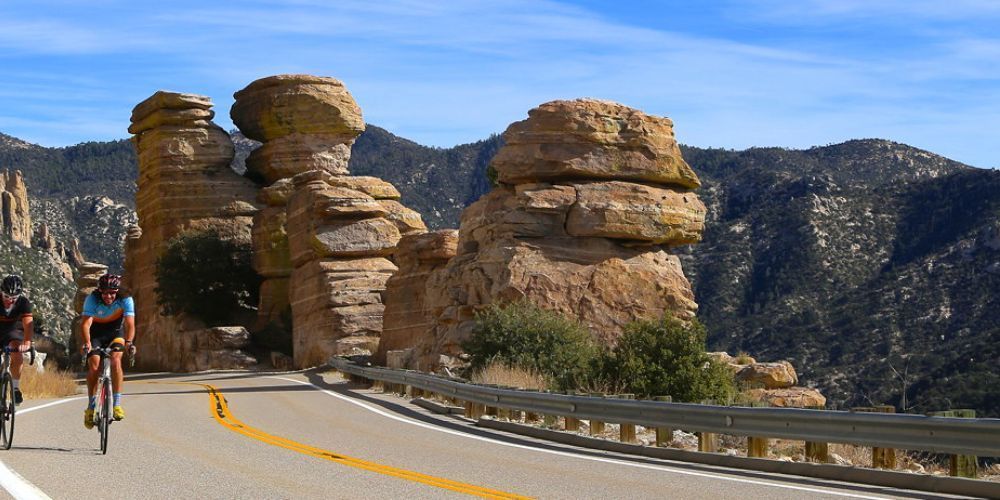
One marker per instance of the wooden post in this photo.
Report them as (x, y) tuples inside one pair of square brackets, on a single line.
[(882, 458), (664, 435), (708, 442), (491, 411), (596, 426), (572, 424), (817, 452), (757, 447), (468, 409), (626, 432), (961, 465)]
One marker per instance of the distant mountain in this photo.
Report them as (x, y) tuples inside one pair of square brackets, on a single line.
[(872, 265)]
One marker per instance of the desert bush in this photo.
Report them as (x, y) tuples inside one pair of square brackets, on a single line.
[(206, 276), (667, 357), (526, 336)]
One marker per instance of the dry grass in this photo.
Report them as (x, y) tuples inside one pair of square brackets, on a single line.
[(853, 455), (53, 383), (500, 374)]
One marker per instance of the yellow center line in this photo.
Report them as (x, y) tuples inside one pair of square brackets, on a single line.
[(220, 410)]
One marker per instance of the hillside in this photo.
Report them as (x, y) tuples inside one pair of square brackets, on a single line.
[(871, 265)]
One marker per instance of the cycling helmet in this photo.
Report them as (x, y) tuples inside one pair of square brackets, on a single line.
[(107, 282), (12, 285)]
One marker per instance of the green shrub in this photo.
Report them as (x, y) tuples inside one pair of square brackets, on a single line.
[(209, 278), (526, 336), (667, 357)]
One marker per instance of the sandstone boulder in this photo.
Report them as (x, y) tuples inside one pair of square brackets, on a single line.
[(792, 397), (779, 375), (589, 138), (281, 105)]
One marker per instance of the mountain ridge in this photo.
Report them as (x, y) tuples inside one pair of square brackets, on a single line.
[(853, 260)]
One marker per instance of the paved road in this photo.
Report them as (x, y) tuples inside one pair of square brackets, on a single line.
[(308, 435)]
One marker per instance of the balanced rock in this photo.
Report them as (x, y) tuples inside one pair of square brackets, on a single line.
[(593, 194), (324, 241)]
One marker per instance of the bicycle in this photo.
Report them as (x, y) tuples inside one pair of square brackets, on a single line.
[(102, 413), (8, 407)]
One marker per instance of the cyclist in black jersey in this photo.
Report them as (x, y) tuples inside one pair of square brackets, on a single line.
[(16, 326)]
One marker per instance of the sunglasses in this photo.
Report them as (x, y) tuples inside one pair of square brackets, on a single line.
[(9, 297), (109, 293)]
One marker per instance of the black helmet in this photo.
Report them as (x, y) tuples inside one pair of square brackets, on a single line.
[(12, 285), (108, 282)]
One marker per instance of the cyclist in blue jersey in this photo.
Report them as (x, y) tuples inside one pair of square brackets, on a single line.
[(16, 326), (105, 316)]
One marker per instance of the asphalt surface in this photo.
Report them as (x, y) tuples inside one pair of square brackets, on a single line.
[(312, 435)]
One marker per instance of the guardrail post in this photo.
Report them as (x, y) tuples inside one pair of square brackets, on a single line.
[(468, 409), (708, 442), (596, 426), (961, 465), (626, 432), (817, 452), (882, 458), (664, 435), (572, 424), (757, 447)]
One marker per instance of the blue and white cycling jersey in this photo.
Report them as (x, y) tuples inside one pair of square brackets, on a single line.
[(107, 317)]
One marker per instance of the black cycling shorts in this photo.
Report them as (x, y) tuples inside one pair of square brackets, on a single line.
[(13, 334), (105, 339)]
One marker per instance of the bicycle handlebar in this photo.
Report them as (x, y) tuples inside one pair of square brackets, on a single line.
[(31, 351)]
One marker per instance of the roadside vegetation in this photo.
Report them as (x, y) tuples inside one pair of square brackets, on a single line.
[(52, 383), (652, 358)]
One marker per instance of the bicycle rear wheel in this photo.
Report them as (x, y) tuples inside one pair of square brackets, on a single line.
[(104, 425), (7, 409)]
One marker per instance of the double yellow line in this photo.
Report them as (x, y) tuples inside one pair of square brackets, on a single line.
[(220, 410)]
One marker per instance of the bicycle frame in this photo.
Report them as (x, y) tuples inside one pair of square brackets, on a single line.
[(8, 407), (102, 413)]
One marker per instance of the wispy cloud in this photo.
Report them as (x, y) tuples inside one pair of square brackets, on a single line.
[(441, 73)]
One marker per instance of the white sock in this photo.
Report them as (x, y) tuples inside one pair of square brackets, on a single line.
[(17, 383)]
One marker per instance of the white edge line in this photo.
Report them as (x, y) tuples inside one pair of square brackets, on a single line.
[(19, 487), (573, 455)]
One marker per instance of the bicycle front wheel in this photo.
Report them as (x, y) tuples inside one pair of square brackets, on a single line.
[(105, 421), (7, 409)]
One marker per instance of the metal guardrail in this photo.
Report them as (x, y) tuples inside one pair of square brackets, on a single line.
[(960, 436)]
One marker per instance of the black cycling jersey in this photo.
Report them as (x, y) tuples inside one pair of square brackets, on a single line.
[(11, 320)]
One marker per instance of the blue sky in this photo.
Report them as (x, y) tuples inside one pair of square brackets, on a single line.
[(795, 73)]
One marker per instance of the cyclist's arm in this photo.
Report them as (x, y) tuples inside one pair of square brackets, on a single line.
[(29, 328), (85, 331), (129, 329)]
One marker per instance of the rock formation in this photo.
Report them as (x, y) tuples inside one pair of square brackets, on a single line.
[(406, 318), (14, 211), (185, 184), (325, 232), (771, 383), (592, 195)]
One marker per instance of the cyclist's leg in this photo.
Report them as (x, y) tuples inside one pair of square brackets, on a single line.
[(117, 376), (15, 364)]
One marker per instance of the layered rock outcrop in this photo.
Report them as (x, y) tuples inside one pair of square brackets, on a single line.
[(592, 195), (14, 211), (323, 242), (406, 318), (185, 184), (771, 383)]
